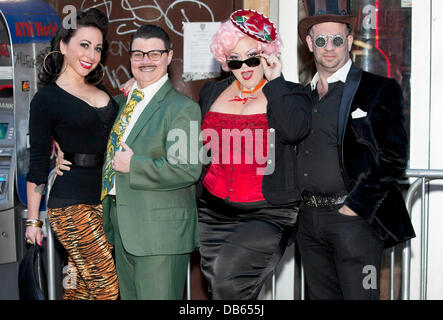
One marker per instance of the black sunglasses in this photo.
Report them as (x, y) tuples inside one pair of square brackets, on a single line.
[(237, 64)]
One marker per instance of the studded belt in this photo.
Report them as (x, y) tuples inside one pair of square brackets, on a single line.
[(316, 201)]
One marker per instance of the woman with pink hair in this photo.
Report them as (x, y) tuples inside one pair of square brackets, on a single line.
[(252, 121)]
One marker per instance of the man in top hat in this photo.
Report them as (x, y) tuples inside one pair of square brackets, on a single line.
[(349, 165)]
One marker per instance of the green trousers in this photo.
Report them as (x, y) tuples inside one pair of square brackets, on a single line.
[(156, 277)]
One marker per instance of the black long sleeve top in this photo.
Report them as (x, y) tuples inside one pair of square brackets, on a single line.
[(78, 128)]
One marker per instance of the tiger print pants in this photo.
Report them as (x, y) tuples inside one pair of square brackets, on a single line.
[(91, 273)]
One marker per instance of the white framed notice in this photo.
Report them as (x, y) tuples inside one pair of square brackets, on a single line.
[(406, 3), (198, 61)]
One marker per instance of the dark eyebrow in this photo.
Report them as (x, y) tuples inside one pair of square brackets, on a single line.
[(100, 44)]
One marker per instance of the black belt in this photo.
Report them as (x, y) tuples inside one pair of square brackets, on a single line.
[(87, 160), (316, 201)]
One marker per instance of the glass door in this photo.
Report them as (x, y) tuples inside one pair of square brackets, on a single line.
[(382, 41)]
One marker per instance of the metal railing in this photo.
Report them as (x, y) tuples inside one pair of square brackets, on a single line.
[(423, 177), (50, 244)]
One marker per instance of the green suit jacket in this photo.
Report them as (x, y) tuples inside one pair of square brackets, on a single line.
[(156, 200)]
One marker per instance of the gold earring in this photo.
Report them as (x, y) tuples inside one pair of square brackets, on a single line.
[(103, 75), (44, 64)]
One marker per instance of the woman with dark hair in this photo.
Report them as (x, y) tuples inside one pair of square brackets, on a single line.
[(72, 108), (251, 123)]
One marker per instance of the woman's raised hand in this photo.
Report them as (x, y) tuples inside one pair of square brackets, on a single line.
[(271, 65)]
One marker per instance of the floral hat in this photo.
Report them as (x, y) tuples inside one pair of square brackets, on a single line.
[(254, 24)]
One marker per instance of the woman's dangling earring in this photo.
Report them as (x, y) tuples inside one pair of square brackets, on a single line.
[(44, 64), (103, 75)]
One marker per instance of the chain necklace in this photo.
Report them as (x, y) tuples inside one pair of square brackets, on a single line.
[(239, 97)]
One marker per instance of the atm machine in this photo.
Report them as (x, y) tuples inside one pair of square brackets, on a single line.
[(26, 28)]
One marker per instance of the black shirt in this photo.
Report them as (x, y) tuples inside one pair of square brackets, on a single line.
[(318, 167), (78, 128)]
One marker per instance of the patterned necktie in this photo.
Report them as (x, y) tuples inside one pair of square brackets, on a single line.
[(114, 141)]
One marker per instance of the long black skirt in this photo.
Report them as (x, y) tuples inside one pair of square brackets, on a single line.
[(241, 243)]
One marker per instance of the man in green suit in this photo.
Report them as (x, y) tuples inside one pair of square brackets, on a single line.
[(149, 200)]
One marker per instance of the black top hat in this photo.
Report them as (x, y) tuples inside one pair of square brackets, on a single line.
[(319, 11)]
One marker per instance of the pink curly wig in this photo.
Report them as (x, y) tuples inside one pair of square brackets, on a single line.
[(227, 37)]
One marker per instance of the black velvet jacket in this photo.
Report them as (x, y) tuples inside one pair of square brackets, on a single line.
[(373, 153), (289, 121)]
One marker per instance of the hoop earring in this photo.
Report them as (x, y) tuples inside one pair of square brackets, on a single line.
[(103, 75), (44, 64)]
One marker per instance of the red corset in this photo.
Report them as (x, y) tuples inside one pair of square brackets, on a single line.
[(239, 150)]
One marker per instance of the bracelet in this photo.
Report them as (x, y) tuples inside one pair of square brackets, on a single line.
[(34, 223)]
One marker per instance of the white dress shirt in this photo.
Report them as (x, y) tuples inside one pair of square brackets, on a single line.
[(148, 93), (339, 75)]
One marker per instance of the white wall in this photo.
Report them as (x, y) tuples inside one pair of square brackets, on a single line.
[(287, 24), (284, 13), (435, 287), (426, 150)]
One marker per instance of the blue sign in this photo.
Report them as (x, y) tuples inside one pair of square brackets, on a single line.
[(30, 20)]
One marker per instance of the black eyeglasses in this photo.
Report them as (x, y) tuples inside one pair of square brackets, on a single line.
[(153, 55), (321, 41), (237, 64)]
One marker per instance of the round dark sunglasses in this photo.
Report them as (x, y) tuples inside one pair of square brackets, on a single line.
[(237, 64), (321, 41)]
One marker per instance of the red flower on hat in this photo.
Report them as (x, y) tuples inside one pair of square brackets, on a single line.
[(254, 24)]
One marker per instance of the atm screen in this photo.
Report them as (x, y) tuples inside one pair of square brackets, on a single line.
[(3, 130)]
